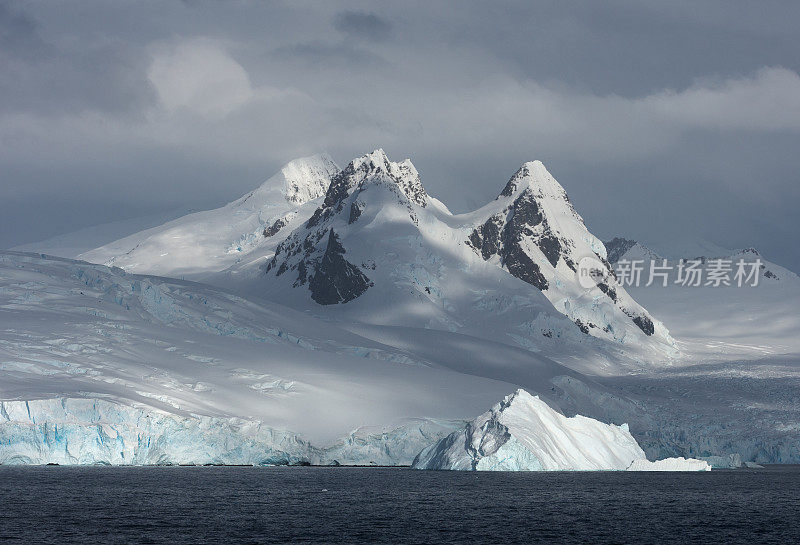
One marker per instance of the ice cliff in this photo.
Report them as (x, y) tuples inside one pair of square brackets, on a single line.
[(76, 431)]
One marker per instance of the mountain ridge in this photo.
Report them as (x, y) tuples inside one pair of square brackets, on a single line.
[(213, 240), (375, 247)]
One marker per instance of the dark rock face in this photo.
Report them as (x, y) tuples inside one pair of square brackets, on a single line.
[(275, 227), (551, 248), (355, 212), (616, 248), (520, 265), (645, 324), (608, 290), (502, 235), (583, 327), (336, 280), (511, 186), (487, 238)]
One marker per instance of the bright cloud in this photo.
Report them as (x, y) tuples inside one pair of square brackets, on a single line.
[(200, 76), (767, 100)]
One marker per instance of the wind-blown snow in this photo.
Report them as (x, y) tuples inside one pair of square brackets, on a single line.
[(216, 239), (523, 433)]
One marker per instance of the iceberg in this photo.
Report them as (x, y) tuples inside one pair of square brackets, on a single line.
[(670, 464), (523, 433)]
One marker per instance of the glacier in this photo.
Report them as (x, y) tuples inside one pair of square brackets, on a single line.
[(437, 315), (77, 431), (523, 433)]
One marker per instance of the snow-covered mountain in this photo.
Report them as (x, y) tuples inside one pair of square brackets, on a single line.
[(533, 225), (379, 250), (718, 322), (354, 300), (623, 249), (619, 249), (369, 246), (215, 239)]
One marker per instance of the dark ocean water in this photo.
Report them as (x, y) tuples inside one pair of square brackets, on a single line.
[(178, 505)]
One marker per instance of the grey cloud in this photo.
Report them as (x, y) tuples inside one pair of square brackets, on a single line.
[(661, 120), (19, 37), (40, 75), (363, 25), (330, 55)]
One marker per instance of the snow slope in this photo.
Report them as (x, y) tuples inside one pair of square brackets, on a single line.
[(96, 363), (721, 323), (215, 239), (523, 433), (74, 243), (174, 352)]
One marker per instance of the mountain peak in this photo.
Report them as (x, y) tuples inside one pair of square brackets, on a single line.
[(539, 238), (376, 158), (297, 182), (376, 167), (332, 279), (534, 176), (307, 178)]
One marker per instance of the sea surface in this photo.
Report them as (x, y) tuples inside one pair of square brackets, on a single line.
[(179, 505)]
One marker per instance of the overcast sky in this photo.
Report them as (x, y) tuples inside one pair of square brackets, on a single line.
[(661, 121)]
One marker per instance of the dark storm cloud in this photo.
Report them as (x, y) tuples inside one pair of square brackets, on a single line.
[(330, 55), (40, 76), (18, 34), (363, 25), (662, 120)]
